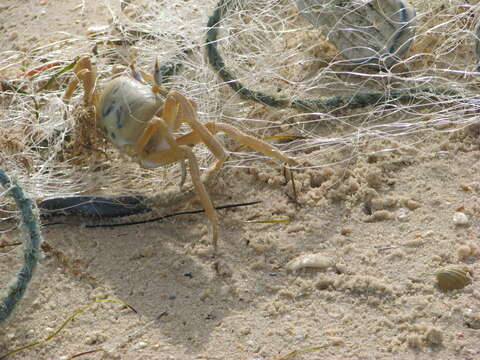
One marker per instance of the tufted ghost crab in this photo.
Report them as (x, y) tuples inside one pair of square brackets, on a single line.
[(140, 120)]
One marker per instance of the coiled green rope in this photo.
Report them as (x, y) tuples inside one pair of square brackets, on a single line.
[(323, 103), (32, 240)]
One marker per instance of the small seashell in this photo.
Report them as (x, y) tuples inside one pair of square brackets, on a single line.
[(459, 218), (453, 277), (373, 32), (317, 261)]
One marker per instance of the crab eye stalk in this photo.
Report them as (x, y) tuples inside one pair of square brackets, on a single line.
[(157, 74), (136, 75)]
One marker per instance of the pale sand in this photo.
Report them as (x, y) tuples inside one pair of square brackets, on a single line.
[(384, 220)]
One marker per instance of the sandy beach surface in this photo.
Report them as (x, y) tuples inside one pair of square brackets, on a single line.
[(377, 226)]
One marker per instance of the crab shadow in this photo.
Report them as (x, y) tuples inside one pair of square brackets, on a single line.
[(153, 267)]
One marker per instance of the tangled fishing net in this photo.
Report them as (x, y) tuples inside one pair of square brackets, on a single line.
[(269, 47)]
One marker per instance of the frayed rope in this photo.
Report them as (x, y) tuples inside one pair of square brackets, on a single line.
[(32, 240)]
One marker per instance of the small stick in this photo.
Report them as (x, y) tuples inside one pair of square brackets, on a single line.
[(293, 185), (43, 67), (8, 245)]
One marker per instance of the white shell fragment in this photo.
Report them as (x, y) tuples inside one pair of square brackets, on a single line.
[(460, 219), (97, 30), (366, 32), (315, 260)]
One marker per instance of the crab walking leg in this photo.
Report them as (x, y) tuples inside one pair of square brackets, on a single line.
[(170, 113), (144, 138), (72, 85), (85, 73), (239, 136), (87, 77), (202, 193), (187, 114), (174, 154)]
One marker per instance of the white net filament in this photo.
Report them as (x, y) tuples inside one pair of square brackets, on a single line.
[(270, 48)]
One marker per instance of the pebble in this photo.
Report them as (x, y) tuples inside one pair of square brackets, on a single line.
[(403, 215), (434, 336), (13, 35), (459, 218), (315, 260), (95, 338), (139, 345), (98, 293), (97, 30), (412, 204)]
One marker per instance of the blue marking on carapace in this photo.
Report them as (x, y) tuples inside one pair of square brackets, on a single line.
[(115, 89), (118, 115), (108, 109)]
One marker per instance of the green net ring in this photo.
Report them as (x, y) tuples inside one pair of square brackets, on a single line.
[(32, 240)]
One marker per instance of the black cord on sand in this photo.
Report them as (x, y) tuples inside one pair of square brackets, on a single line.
[(189, 212), (163, 217), (31, 242), (323, 103)]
